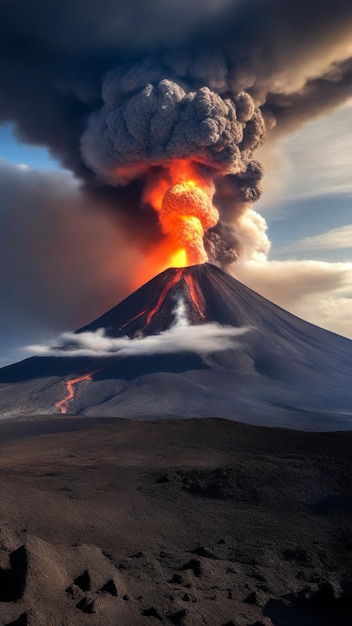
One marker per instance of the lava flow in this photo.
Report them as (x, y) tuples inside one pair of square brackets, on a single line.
[(175, 279), (136, 317), (62, 404), (182, 195), (197, 298)]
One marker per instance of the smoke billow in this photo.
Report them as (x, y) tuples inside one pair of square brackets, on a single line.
[(158, 112), (120, 92), (151, 116)]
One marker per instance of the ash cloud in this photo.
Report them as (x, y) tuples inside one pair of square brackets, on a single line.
[(180, 337), (62, 262), (151, 116), (118, 90)]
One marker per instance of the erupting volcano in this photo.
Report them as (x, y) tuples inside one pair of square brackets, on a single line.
[(191, 342), (191, 150)]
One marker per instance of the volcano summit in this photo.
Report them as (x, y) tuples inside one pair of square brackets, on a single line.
[(243, 358)]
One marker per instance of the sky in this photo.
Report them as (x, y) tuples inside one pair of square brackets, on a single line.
[(72, 243), (307, 204)]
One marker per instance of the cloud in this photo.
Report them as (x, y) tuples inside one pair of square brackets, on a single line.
[(331, 240), (316, 291), (180, 337), (313, 161)]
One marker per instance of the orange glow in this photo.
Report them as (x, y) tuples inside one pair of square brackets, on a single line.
[(197, 298), (163, 255), (179, 258), (155, 189), (182, 196), (62, 404)]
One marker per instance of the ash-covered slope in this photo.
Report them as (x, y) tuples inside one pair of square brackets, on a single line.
[(282, 371)]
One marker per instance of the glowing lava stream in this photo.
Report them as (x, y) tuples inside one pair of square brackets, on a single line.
[(62, 404), (163, 295), (193, 294), (136, 317)]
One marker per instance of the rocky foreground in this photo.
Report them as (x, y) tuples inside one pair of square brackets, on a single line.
[(190, 522)]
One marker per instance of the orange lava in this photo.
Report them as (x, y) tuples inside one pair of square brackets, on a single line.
[(182, 196), (62, 404), (175, 279), (196, 298)]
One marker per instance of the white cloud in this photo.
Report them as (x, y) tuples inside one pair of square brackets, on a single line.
[(181, 337), (313, 161), (334, 239), (317, 291)]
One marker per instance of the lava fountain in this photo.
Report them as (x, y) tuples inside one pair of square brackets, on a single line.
[(182, 196)]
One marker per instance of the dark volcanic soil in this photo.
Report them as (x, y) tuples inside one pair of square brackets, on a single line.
[(113, 522)]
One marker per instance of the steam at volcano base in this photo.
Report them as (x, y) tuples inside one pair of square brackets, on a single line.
[(181, 337)]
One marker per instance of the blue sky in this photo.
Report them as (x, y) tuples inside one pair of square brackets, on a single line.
[(308, 189), (17, 152), (307, 204)]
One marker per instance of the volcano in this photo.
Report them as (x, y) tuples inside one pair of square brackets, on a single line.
[(281, 371)]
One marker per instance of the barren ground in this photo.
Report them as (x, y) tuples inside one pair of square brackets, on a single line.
[(123, 523)]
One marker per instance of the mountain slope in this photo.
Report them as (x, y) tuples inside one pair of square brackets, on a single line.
[(283, 371)]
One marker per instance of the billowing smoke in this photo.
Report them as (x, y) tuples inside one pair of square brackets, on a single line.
[(151, 116), (180, 109), (125, 92)]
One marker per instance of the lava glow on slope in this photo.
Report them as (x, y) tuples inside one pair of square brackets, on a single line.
[(195, 297), (62, 404), (182, 196), (172, 283)]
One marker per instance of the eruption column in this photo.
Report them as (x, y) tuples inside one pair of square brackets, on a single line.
[(163, 122), (182, 196)]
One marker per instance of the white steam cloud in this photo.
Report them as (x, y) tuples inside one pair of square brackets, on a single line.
[(180, 337)]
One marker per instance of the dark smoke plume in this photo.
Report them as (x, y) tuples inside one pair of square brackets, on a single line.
[(116, 90), (152, 115)]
